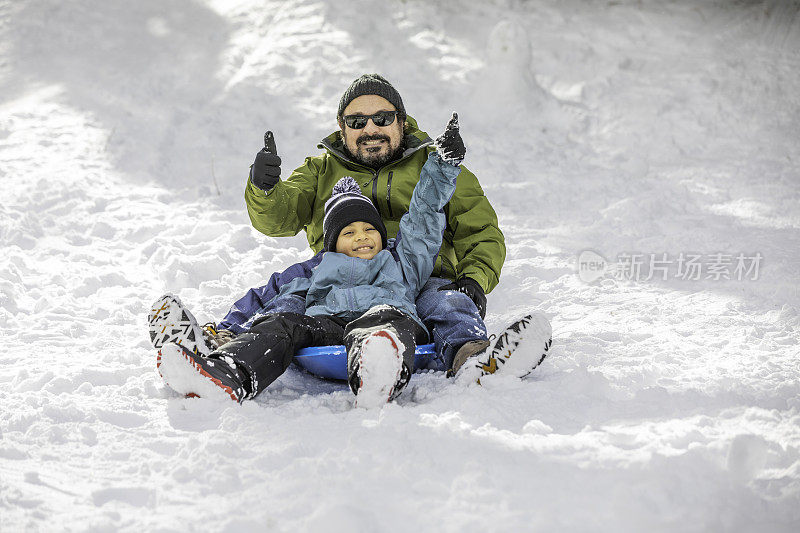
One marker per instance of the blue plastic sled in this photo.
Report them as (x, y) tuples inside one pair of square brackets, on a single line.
[(331, 361)]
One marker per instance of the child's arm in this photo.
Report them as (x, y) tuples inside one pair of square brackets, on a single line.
[(420, 235), (268, 298)]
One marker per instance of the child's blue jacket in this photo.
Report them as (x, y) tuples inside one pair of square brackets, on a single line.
[(334, 284)]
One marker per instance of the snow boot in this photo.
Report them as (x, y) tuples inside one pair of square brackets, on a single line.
[(467, 350), (195, 375), (216, 337), (381, 374), (517, 351), (170, 321)]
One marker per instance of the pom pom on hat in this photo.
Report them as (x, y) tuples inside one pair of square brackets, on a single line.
[(345, 185)]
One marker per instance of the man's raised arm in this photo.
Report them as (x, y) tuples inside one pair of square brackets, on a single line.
[(279, 208)]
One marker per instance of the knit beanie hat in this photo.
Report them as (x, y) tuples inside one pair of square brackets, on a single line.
[(372, 84), (347, 205)]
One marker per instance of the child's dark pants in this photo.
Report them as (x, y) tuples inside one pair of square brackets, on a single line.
[(265, 351)]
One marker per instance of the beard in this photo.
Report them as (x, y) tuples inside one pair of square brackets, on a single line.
[(375, 160)]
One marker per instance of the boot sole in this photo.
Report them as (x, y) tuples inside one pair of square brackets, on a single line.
[(170, 321), (508, 343)]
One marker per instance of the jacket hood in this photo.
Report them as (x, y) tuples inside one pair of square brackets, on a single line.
[(415, 139)]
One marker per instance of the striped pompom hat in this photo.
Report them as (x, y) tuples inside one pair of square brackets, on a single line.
[(346, 205)]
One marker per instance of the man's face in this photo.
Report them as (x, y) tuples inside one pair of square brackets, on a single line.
[(359, 239), (372, 145)]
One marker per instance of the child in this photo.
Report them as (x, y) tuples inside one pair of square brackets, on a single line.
[(361, 294)]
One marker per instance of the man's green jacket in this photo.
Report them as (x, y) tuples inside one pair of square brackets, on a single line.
[(472, 246)]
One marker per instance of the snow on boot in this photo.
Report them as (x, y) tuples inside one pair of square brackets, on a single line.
[(518, 350), (170, 321), (381, 373), (195, 375)]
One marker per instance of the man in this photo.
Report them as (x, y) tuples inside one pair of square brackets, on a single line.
[(382, 148)]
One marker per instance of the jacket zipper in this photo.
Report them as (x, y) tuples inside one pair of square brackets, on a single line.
[(375, 192), (389, 193), (374, 183)]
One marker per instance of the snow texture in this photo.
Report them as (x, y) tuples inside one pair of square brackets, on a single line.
[(664, 130)]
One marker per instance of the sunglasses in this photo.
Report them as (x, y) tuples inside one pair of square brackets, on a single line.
[(380, 119)]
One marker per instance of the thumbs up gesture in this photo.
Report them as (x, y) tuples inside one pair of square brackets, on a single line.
[(450, 145), (266, 169)]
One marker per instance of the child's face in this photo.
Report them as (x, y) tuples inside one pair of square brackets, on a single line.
[(359, 239)]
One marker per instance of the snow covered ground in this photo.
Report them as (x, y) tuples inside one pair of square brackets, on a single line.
[(628, 129)]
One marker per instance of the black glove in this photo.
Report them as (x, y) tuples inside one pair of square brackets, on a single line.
[(449, 144), (266, 170), (471, 288)]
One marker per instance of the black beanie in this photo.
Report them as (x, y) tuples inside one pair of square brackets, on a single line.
[(347, 205), (372, 84)]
